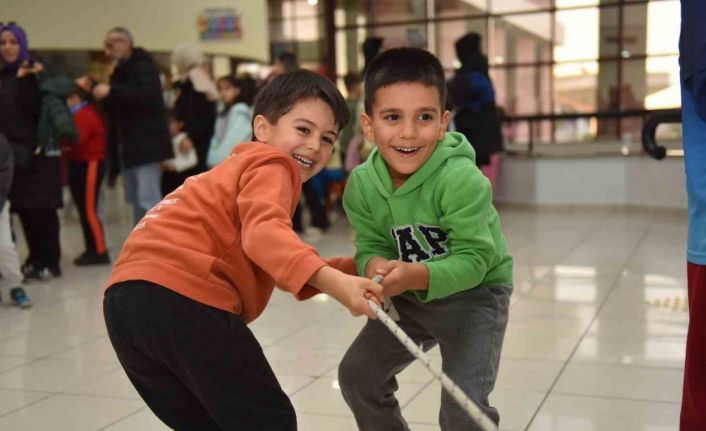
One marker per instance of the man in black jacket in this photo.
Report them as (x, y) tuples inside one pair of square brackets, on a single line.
[(138, 137)]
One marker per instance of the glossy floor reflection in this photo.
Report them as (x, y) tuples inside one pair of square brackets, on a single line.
[(592, 344)]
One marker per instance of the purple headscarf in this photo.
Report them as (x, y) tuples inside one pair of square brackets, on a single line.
[(21, 37)]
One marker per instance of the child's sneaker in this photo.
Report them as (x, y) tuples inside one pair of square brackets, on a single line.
[(20, 298), (32, 272)]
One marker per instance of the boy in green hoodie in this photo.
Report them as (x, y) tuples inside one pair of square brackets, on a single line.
[(423, 218)]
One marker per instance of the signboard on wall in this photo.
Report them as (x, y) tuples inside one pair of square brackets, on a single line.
[(220, 24)]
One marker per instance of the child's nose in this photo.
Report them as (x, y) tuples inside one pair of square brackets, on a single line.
[(409, 130)]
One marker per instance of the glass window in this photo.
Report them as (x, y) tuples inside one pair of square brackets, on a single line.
[(380, 11), (522, 90), (307, 29), (651, 83), (520, 39), (651, 28), (349, 55), (576, 87), (581, 43), (401, 35), (502, 6), (303, 8), (458, 8), (576, 3), (448, 32)]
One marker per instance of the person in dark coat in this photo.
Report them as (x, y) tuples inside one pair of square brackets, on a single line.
[(692, 60), (34, 125), (138, 138), (195, 105), (473, 97)]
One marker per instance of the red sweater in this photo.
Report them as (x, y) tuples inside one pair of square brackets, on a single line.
[(91, 136), (225, 237)]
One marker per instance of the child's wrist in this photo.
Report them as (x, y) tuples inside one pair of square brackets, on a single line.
[(420, 273)]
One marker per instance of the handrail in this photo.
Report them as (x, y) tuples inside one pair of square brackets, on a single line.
[(533, 119), (649, 129)]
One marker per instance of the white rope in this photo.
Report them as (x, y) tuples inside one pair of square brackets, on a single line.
[(452, 388)]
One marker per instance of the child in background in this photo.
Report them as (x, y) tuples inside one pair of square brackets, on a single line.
[(176, 170), (9, 262), (233, 123), (86, 167), (203, 263), (354, 89), (423, 218)]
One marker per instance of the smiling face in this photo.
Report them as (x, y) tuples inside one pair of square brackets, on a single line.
[(406, 122), (306, 133), (9, 47)]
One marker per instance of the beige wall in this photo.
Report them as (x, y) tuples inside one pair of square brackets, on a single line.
[(158, 25)]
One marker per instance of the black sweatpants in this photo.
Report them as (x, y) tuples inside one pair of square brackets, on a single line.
[(41, 229), (85, 182), (196, 367)]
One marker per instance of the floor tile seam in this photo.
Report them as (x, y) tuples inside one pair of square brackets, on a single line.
[(122, 418), (578, 244), (301, 328), (418, 392), (91, 378), (20, 365), (72, 347), (614, 398), (306, 385), (631, 366), (49, 396), (636, 247)]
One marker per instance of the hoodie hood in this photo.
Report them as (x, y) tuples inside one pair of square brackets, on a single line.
[(453, 145), (59, 86)]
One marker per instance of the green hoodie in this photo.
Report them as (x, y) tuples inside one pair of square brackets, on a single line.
[(442, 216)]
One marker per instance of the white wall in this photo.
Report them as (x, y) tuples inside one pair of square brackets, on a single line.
[(611, 180), (158, 25)]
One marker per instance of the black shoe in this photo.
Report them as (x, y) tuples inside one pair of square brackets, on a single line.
[(92, 259), (55, 271), (32, 272)]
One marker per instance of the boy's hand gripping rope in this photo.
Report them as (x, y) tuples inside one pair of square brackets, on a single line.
[(452, 388)]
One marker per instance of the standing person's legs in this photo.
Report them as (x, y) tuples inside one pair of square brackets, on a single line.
[(95, 233), (31, 238), (196, 367), (11, 280), (693, 415), (149, 192), (77, 186), (470, 327), (130, 190), (45, 224), (368, 369)]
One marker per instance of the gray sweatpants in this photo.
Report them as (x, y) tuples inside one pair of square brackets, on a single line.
[(468, 327)]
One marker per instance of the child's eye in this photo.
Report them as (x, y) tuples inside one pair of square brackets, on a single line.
[(426, 117), (327, 140), (392, 117), (303, 130)]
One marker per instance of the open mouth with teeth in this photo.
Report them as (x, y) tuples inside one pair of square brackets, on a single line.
[(303, 162), (406, 150)]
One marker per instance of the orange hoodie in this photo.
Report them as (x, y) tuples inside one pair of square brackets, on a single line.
[(224, 238)]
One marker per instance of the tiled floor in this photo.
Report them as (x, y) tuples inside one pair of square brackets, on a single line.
[(588, 347)]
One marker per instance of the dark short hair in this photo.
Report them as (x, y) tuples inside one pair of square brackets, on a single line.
[(279, 96), (404, 65), (351, 79)]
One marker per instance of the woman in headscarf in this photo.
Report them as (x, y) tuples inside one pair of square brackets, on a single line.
[(34, 117)]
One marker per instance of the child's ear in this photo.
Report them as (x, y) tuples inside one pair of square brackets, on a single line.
[(261, 129), (445, 118), (367, 125)]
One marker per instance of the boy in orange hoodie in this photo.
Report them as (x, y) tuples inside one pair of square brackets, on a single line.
[(203, 263)]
